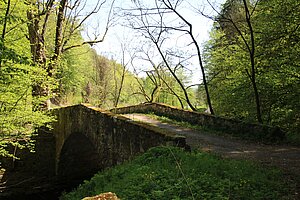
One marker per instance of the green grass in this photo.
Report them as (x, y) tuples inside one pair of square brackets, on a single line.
[(165, 173)]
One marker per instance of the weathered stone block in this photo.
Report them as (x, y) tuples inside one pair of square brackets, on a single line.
[(249, 130)]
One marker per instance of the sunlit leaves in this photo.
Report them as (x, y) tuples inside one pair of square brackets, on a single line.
[(277, 45), (18, 119)]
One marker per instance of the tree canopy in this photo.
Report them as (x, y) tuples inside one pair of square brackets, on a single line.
[(250, 65), (276, 34)]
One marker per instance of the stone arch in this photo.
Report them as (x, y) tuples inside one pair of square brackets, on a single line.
[(78, 159)]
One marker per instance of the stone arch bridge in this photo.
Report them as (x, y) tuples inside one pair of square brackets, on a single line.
[(88, 139), (85, 139)]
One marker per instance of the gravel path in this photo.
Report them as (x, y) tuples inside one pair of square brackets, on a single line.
[(285, 157)]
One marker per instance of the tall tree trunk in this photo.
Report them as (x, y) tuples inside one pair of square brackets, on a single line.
[(176, 78), (190, 32), (5, 21), (2, 45), (121, 87), (37, 47), (58, 36), (203, 76), (253, 69), (36, 39)]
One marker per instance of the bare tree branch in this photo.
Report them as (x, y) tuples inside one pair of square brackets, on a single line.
[(95, 40)]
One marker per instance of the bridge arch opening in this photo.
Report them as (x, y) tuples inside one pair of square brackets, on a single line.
[(78, 161)]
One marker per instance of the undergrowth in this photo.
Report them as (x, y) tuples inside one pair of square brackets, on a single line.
[(293, 138), (165, 173)]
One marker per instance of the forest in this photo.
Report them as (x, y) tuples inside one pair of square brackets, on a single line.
[(249, 66)]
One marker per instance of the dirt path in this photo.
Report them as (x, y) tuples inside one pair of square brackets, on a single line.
[(285, 157)]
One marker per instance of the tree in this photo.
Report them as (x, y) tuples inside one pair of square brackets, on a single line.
[(124, 66), (104, 80), (279, 43), (68, 23), (231, 14), (276, 44), (151, 22), (101, 79), (229, 82), (161, 79), (36, 45), (18, 118), (75, 76)]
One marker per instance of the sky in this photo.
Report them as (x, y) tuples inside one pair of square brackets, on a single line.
[(119, 35)]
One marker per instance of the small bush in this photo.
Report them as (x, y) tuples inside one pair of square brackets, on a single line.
[(171, 173)]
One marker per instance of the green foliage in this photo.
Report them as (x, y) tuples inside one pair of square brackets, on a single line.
[(74, 72), (279, 49), (129, 88), (164, 87), (171, 173), (15, 42), (277, 44), (18, 114), (87, 77), (106, 82), (230, 86)]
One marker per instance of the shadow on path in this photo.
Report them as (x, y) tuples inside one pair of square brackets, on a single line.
[(287, 158)]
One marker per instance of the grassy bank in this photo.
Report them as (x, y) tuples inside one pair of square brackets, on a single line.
[(171, 173)]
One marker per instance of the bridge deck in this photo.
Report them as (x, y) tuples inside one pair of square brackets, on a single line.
[(285, 157)]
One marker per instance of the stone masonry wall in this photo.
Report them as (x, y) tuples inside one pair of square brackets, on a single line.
[(116, 138), (231, 126), (106, 139)]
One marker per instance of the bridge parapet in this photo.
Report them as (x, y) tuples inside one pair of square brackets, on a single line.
[(114, 137), (264, 133), (83, 141)]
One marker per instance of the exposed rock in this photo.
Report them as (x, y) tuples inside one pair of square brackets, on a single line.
[(103, 196)]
